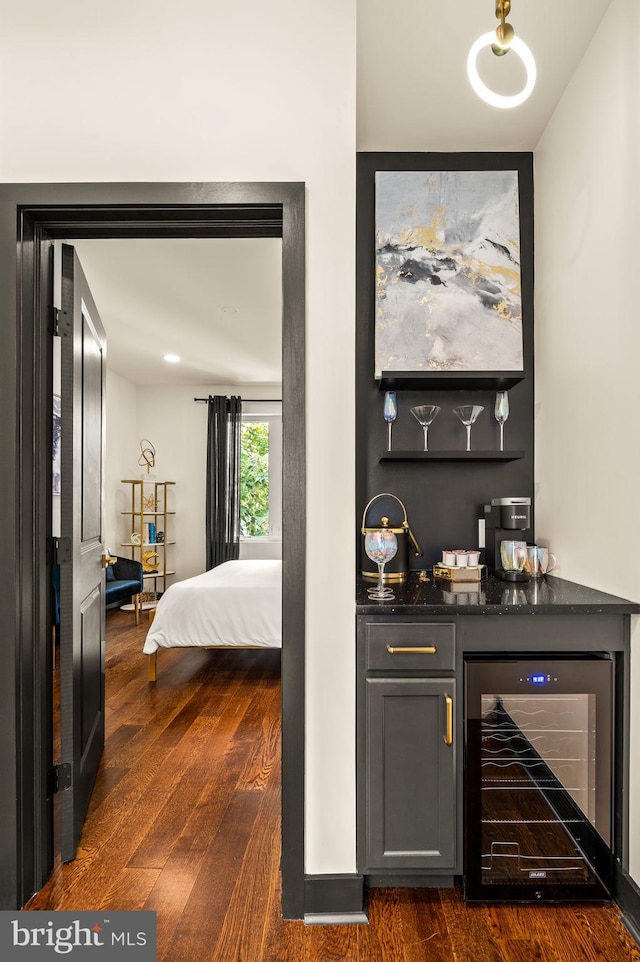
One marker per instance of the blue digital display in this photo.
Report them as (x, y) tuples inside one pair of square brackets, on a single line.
[(538, 679)]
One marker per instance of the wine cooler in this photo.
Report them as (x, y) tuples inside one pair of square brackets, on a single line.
[(538, 779)]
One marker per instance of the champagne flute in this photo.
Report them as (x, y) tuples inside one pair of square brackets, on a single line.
[(381, 546), (424, 415), (468, 414), (502, 413), (390, 412)]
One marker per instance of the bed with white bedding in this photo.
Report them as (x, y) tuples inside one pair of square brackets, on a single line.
[(236, 604)]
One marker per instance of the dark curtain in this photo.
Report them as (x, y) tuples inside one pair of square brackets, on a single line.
[(223, 479)]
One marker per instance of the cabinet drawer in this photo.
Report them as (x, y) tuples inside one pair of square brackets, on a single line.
[(410, 645)]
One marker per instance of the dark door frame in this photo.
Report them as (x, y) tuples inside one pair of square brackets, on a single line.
[(31, 216)]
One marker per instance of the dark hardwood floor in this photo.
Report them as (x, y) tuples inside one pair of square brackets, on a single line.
[(184, 820)]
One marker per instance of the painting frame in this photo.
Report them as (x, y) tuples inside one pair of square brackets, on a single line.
[(368, 165)]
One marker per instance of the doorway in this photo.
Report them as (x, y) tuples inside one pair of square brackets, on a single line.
[(185, 319), (44, 213)]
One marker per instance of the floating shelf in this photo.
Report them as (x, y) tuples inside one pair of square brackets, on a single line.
[(449, 380), (451, 456)]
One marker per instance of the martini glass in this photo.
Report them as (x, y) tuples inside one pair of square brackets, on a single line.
[(501, 412), (424, 415), (381, 546), (468, 414), (390, 412)]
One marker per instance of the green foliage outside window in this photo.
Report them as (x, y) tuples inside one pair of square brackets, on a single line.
[(254, 479)]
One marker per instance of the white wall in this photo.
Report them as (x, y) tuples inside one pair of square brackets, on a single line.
[(210, 91), (177, 426), (587, 168), (122, 450)]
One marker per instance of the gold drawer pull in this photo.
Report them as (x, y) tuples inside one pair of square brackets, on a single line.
[(431, 650), (448, 738)]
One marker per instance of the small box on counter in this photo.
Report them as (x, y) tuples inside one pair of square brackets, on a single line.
[(468, 573)]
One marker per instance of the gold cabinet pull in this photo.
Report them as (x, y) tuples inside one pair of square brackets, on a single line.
[(448, 737), (431, 650)]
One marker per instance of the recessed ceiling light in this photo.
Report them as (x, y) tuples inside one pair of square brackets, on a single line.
[(171, 358), (229, 309)]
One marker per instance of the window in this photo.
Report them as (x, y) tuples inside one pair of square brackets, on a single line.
[(254, 479), (261, 474)]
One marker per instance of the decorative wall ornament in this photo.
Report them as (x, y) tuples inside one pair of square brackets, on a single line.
[(447, 263)]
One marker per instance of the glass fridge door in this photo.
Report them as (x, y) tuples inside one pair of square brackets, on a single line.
[(538, 779)]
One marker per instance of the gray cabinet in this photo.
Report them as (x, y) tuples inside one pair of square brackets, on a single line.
[(410, 779), (410, 680), (407, 748)]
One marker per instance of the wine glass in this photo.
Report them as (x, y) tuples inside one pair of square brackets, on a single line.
[(424, 415), (381, 546), (501, 411), (468, 414), (390, 411)]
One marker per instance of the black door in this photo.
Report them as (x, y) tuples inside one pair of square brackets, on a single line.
[(83, 361)]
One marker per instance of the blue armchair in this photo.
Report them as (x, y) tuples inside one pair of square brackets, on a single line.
[(124, 583)]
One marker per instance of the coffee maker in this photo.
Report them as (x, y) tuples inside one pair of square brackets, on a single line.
[(506, 519)]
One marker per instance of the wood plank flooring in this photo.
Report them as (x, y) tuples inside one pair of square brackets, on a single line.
[(185, 820)]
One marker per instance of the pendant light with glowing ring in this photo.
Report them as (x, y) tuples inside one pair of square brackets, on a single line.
[(488, 95)]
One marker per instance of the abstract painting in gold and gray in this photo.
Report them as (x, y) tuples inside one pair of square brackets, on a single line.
[(448, 271)]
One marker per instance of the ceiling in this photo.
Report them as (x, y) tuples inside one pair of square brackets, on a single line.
[(217, 303), (413, 92)]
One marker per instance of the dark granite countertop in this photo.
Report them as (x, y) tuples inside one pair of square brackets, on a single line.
[(548, 595)]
